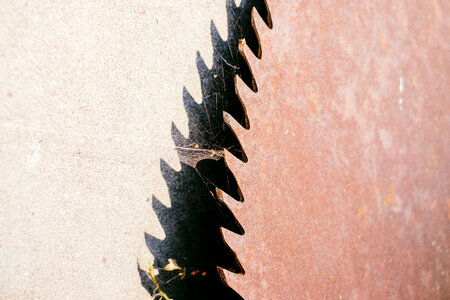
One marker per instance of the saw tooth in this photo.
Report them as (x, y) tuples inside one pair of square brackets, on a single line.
[(259, 26), (238, 131), (247, 60), (253, 12), (247, 31), (217, 175), (236, 267), (234, 164), (231, 240), (229, 237), (245, 96), (233, 277), (268, 16), (234, 206), (227, 202), (225, 275), (231, 262), (226, 208)]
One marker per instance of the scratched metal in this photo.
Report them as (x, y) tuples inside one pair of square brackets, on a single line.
[(347, 182)]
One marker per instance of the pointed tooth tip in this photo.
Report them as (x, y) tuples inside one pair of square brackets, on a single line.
[(233, 204), (246, 96), (229, 274), (249, 59), (239, 131), (234, 164), (268, 22), (235, 207), (255, 30), (228, 236), (242, 88), (231, 278), (232, 161), (229, 203), (259, 26)]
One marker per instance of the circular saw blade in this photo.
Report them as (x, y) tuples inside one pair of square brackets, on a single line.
[(346, 184)]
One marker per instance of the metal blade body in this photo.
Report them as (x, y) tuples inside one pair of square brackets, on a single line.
[(346, 184)]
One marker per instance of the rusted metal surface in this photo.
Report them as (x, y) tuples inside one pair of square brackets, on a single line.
[(346, 184)]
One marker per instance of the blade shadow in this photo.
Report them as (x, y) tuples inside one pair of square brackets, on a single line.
[(192, 223)]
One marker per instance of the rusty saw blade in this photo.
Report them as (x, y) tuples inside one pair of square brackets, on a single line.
[(346, 184)]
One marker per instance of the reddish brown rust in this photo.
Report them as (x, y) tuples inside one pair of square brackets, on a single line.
[(346, 185)]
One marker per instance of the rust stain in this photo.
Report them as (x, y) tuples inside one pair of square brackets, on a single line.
[(382, 39), (437, 11), (352, 206), (448, 208)]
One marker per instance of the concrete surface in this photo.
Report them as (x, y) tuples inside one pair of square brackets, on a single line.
[(89, 90)]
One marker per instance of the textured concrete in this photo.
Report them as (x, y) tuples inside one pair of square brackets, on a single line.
[(89, 90)]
